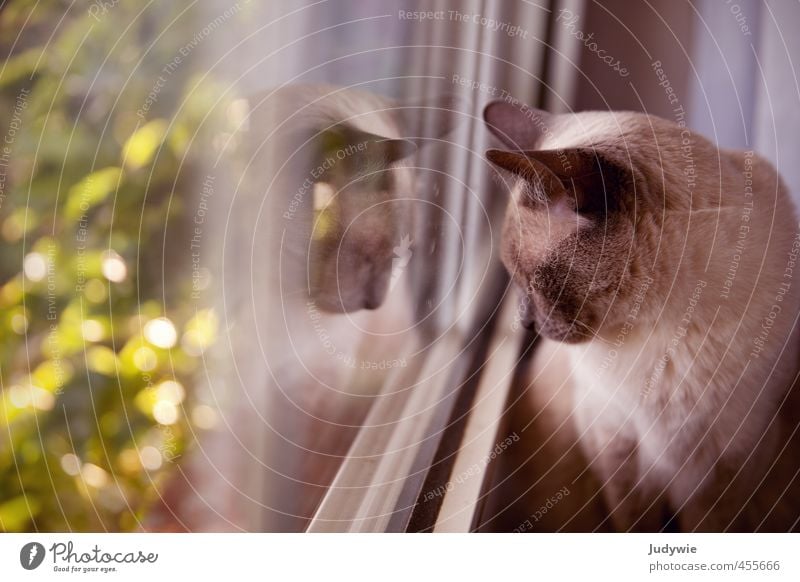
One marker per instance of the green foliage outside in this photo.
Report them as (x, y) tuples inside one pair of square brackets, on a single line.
[(101, 341)]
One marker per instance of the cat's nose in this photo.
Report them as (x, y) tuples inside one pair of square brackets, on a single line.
[(526, 314), (373, 296), (371, 302), (375, 284)]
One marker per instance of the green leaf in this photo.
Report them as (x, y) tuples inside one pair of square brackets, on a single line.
[(141, 146), (52, 374), (20, 66), (91, 191), (103, 360), (17, 512)]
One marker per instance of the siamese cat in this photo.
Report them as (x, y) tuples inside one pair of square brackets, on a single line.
[(660, 273)]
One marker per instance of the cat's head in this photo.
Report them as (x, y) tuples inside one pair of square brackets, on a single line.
[(358, 194), (359, 217), (569, 241)]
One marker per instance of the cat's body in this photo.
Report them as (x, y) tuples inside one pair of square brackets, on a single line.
[(672, 298)]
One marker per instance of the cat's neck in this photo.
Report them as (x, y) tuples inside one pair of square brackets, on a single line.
[(694, 335)]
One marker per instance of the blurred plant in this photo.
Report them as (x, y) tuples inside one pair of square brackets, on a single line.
[(100, 342)]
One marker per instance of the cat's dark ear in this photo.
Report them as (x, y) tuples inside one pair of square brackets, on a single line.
[(543, 184), (394, 150), (430, 118), (355, 146), (594, 178), (517, 126), (585, 178), (390, 150)]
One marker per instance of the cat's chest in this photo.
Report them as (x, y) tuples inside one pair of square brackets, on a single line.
[(630, 389)]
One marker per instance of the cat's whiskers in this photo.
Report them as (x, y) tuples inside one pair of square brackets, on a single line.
[(595, 334)]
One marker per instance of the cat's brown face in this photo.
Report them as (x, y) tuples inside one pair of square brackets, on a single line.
[(342, 194), (568, 238), (358, 219)]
